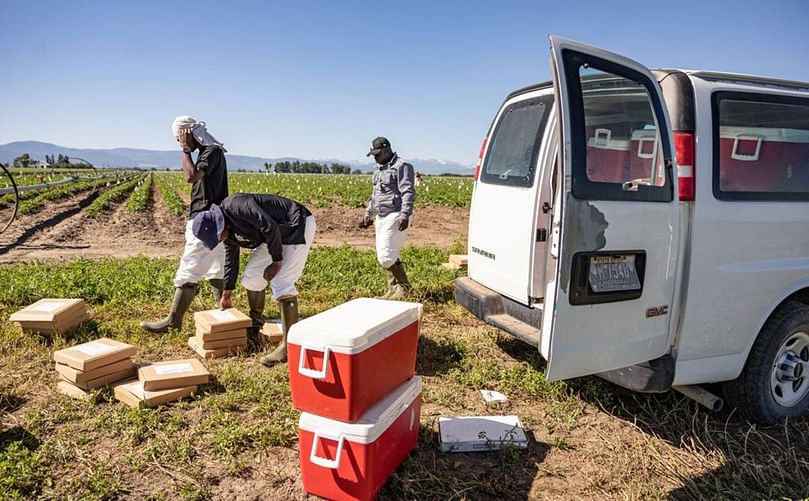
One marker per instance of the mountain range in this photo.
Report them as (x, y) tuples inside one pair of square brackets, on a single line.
[(169, 159)]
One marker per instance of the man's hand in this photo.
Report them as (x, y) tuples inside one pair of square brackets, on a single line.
[(227, 300), (272, 270), (365, 222), (403, 224), (184, 138)]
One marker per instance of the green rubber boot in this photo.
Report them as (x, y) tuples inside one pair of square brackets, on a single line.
[(401, 285), (289, 316), (217, 287), (257, 301), (182, 300)]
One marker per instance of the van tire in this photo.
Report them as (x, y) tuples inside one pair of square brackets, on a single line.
[(751, 392)]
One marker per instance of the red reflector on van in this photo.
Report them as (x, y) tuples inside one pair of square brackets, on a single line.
[(684, 155), (480, 158)]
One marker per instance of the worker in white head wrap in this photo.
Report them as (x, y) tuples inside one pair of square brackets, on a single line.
[(198, 130), (209, 185)]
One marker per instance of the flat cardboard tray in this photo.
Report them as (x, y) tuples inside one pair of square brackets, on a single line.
[(173, 374), (76, 376), (131, 393), (194, 344), (221, 320), (94, 354), (481, 433)]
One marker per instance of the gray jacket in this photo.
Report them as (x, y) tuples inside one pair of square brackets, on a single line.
[(394, 189)]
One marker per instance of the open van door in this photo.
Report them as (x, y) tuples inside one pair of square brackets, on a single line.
[(615, 240)]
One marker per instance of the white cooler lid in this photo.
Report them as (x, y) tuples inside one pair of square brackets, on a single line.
[(373, 423), (354, 326)]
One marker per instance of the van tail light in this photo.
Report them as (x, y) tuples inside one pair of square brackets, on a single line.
[(684, 155), (480, 158)]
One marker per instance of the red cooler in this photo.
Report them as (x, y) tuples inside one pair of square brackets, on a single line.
[(346, 359), (353, 460)]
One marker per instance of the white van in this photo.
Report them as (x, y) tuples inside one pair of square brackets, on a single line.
[(650, 227)]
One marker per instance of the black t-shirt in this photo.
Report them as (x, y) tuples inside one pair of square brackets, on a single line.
[(213, 187)]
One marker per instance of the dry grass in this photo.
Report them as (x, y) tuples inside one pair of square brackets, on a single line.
[(237, 438)]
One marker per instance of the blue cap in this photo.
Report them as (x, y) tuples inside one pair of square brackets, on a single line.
[(208, 226)]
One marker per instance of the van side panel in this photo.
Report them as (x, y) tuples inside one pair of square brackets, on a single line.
[(746, 256)]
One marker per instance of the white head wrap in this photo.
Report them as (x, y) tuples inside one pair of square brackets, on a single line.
[(198, 129)]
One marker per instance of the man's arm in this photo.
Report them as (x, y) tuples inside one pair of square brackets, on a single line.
[(231, 273), (407, 189), (192, 174)]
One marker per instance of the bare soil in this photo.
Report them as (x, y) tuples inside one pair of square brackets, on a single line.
[(61, 230)]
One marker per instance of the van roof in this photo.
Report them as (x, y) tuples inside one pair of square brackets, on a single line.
[(713, 76)]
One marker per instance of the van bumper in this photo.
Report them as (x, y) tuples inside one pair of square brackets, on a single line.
[(654, 376)]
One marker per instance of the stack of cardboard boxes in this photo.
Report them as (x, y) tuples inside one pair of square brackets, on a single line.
[(93, 365), (163, 382), (58, 316), (457, 262), (219, 333)]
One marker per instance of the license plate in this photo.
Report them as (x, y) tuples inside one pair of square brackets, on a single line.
[(613, 273)]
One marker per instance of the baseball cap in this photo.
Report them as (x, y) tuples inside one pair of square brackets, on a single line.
[(377, 145), (208, 226)]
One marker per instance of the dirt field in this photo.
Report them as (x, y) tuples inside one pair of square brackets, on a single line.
[(61, 231)]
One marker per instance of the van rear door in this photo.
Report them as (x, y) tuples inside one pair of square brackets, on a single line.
[(503, 215), (616, 237)]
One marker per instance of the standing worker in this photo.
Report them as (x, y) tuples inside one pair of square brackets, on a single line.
[(280, 232), (391, 202), (209, 185)]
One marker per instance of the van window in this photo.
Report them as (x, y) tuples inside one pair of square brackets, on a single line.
[(512, 156), (617, 151), (761, 147)]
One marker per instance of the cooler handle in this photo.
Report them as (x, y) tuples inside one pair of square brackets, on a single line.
[(735, 155), (313, 373), (331, 464), (641, 153), (602, 135)]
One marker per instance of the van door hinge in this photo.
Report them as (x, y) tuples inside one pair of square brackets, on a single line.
[(542, 234)]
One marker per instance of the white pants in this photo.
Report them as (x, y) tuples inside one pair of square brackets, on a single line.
[(294, 257), (198, 262), (389, 240)]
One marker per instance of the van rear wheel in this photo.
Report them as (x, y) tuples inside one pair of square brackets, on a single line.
[(774, 384)]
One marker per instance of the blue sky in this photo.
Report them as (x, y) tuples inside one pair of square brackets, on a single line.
[(320, 79)]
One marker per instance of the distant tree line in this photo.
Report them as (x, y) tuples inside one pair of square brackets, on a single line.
[(298, 167), (59, 160)]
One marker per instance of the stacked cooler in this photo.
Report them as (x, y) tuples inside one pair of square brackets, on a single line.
[(352, 374), (220, 333)]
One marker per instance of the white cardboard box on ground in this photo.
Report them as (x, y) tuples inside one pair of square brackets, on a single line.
[(89, 356), (480, 433)]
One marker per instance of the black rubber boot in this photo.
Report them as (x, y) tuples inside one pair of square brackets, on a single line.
[(401, 286), (218, 287), (289, 316), (182, 300)]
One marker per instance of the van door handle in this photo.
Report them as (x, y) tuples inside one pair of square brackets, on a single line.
[(546, 207)]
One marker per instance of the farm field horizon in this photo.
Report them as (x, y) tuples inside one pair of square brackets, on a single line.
[(115, 242)]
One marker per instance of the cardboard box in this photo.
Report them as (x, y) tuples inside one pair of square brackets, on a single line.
[(204, 335), (76, 376), (103, 381), (173, 374), (221, 320), (272, 332), (51, 314), (195, 345), (240, 342), (74, 391), (132, 394), (459, 259), (88, 356), (481, 433)]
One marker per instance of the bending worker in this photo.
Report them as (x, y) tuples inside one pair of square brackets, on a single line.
[(280, 232), (391, 202), (209, 185)]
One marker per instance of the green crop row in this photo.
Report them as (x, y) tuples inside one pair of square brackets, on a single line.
[(166, 185), (327, 190), (139, 199), (31, 201), (109, 197)]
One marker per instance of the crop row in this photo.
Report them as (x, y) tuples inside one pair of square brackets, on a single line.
[(109, 197), (326, 190), (139, 199), (167, 184), (31, 201)]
